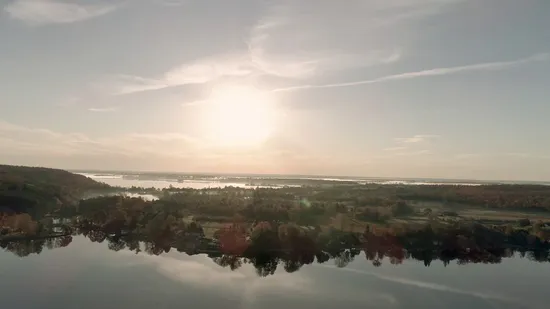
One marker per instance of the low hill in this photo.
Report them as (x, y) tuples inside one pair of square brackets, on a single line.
[(23, 188)]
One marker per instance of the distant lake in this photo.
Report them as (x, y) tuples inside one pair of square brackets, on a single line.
[(121, 181), (88, 275), (201, 182)]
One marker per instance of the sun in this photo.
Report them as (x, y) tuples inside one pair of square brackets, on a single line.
[(239, 116)]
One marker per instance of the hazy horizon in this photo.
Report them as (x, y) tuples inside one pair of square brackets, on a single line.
[(293, 176), (425, 89)]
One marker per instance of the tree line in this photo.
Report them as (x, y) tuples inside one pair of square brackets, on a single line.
[(155, 228)]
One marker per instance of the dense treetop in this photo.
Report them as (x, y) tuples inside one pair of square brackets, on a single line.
[(23, 189)]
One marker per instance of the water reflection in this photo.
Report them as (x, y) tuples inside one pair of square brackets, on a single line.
[(82, 272), (139, 254), (264, 245)]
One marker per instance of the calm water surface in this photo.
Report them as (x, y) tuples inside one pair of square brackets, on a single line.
[(89, 275), (120, 181)]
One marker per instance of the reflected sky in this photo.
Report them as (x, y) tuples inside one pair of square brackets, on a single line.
[(88, 275)]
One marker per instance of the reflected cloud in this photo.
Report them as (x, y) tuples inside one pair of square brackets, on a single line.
[(208, 274), (190, 271), (428, 285)]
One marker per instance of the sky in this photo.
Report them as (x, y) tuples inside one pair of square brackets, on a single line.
[(374, 88)]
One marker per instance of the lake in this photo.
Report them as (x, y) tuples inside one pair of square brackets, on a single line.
[(122, 181), (89, 275), (163, 181)]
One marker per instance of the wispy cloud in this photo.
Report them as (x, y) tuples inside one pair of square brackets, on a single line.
[(194, 103), (241, 66), (285, 43), (290, 43), (309, 65), (16, 139), (409, 146), (103, 109), (41, 12), (518, 155), (174, 2), (125, 84), (163, 151), (404, 152), (416, 139), (393, 12), (414, 153), (489, 66), (196, 72)]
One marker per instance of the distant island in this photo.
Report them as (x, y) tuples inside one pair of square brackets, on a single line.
[(42, 207)]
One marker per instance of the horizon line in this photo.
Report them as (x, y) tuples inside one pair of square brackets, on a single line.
[(297, 176)]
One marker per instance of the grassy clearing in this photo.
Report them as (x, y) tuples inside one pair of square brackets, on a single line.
[(440, 212), (475, 213), (507, 216)]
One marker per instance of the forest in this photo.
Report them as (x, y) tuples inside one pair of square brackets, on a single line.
[(146, 228), (32, 189), (44, 208)]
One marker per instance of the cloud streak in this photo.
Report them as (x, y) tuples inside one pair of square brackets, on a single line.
[(246, 65), (102, 109), (43, 12), (196, 72), (172, 3), (267, 37), (165, 151), (284, 43), (17, 140), (416, 139), (289, 42), (489, 66), (517, 155), (408, 146)]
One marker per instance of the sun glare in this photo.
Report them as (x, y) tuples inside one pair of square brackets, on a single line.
[(239, 116)]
